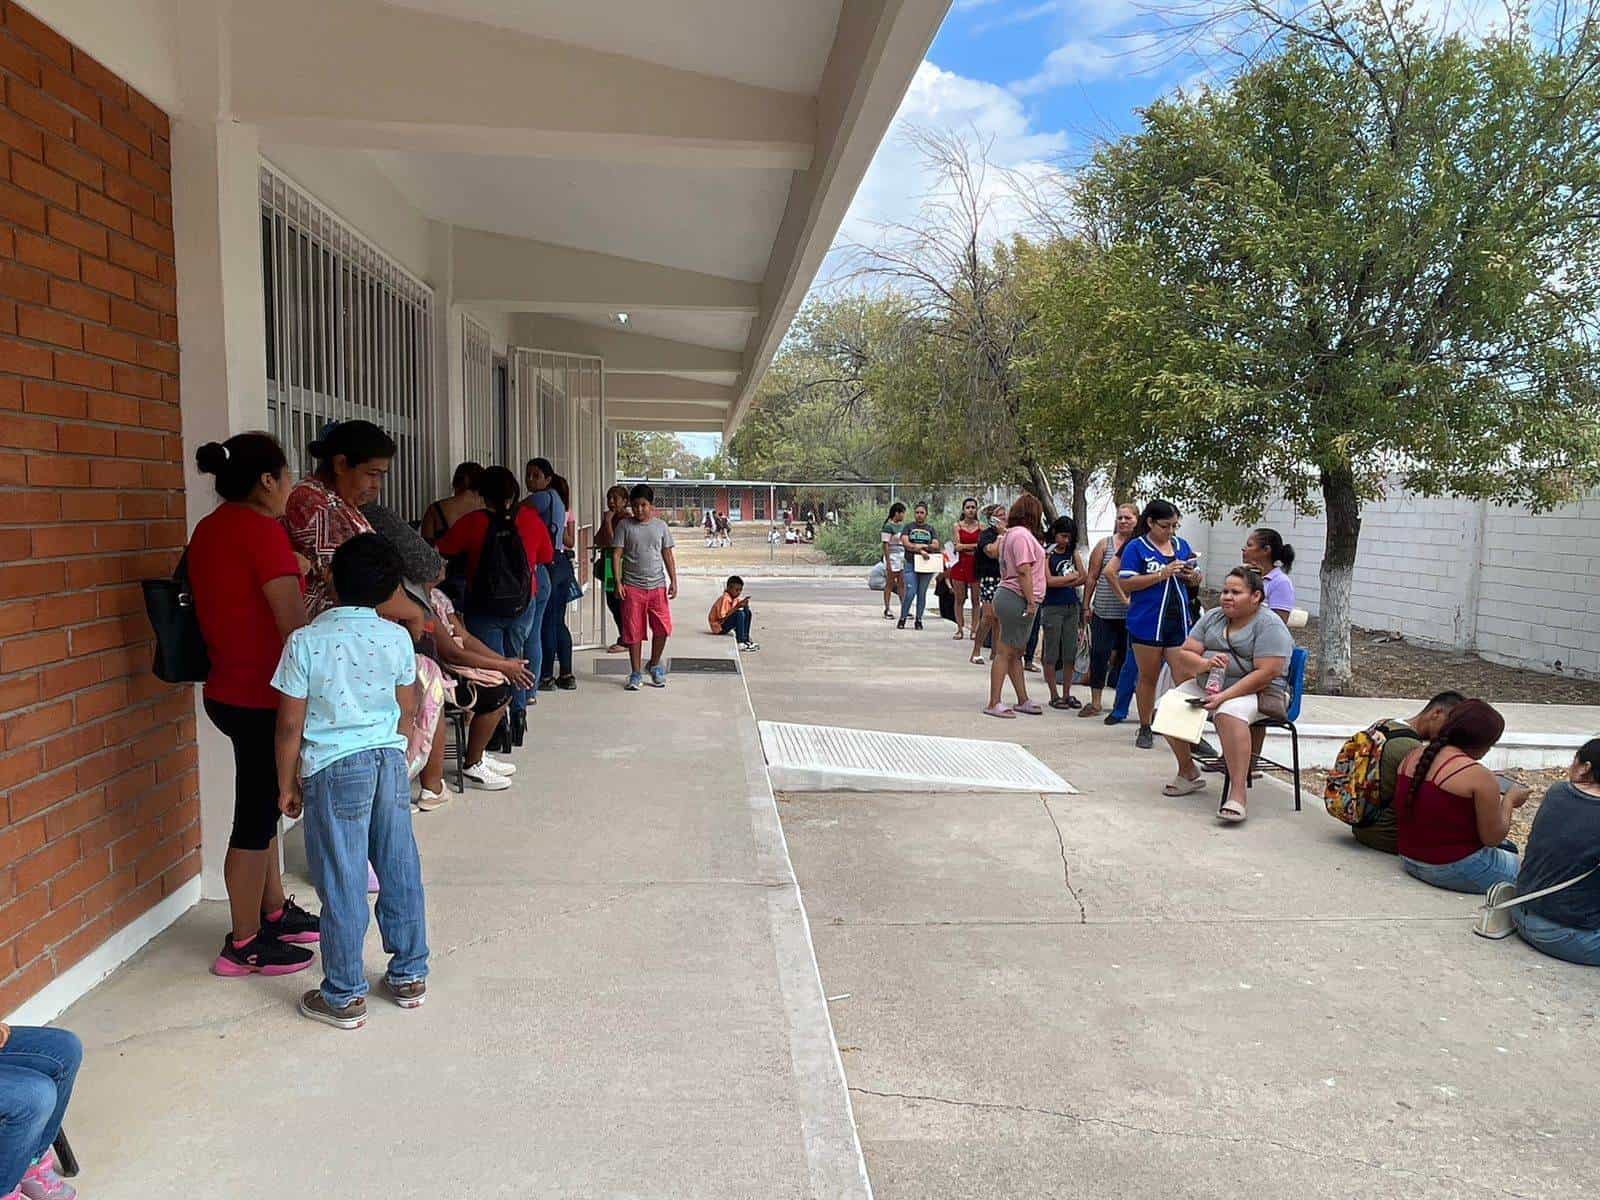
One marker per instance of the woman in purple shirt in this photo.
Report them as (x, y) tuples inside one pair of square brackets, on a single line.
[(1267, 552)]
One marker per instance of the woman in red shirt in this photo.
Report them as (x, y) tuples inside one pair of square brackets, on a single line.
[(1450, 810), (503, 632), (246, 581)]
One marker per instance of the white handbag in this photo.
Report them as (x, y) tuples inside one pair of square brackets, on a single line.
[(1493, 918)]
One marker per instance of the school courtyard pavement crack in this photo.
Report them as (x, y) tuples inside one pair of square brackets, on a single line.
[(1066, 868)]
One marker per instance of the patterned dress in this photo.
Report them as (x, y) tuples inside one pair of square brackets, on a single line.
[(319, 522)]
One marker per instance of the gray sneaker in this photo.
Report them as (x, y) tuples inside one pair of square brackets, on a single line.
[(406, 995), (634, 680), (315, 1005), (1144, 739)]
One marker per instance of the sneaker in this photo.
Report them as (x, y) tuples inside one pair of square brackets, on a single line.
[(658, 676), (406, 995), (498, 765), (900, 624), (919, 626), (428, 801), (548, 682), (481, 777), (1144, 739), (634, 680), (42, 1182), (261, 955), (293, 924), (567, 683), (315, 1005), (747, 647), (1205, 749), (1113, 719)]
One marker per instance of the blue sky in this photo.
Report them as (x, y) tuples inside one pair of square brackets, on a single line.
[(1039, 81)]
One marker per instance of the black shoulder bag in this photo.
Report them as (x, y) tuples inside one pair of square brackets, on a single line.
[(180, 648)]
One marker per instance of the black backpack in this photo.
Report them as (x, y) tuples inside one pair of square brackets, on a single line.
[(503, 585)]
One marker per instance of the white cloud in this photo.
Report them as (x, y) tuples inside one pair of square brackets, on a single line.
[(702, 444), (897, 181)]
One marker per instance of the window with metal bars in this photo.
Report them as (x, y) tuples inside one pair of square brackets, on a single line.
[(349, 335), (484, 403)]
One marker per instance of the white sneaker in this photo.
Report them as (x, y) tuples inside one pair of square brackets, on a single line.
[(747, 647), (498, 765), (428, 801), (485, 780)]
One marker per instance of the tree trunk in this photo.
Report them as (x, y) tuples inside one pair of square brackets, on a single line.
[(1080, 501), (1338, 572), (1124, 475), (1038, 482)]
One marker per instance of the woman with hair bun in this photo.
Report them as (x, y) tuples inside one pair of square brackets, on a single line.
[(324, 509), (246, 581), (1451, 815), (1267, 552)]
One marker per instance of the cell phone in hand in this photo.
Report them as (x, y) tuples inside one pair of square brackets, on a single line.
[(1197, 701), (1506, 784)]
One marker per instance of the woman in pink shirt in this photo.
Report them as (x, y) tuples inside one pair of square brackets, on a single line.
[(1022, 583)]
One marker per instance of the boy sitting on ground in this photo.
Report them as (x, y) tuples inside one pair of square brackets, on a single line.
[(348, 695), (647, 580), (731, 613), (1401, 738)]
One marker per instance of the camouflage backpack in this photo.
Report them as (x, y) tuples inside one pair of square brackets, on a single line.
[(1351, 793)]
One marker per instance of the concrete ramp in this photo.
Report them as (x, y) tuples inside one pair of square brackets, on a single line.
[(827, 758)]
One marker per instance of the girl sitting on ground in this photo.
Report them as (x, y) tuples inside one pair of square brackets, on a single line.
[(1565, 843), (1450, 812), (1250, 645)]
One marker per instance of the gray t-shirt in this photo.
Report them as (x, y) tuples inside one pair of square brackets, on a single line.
[(1264, 637), (642, 545)]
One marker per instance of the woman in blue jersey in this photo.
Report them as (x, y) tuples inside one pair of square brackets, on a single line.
[(1157, 568)]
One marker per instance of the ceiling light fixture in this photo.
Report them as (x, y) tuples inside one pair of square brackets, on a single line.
[(620, 318)]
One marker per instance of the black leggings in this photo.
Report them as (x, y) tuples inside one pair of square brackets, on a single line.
[(1108, 646), (255, 772), (614, 604)]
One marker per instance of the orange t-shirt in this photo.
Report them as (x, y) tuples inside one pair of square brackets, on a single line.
[(719, 611)]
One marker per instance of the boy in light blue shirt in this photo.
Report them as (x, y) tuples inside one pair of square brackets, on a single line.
[(347, 685)]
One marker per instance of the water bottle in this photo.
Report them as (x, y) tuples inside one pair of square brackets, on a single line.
[(1214, 681)]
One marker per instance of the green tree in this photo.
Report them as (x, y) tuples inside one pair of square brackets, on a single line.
[(652, 454), (1370, 257)]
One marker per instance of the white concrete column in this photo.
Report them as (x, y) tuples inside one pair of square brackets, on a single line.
[(451, 432), (222, 368)]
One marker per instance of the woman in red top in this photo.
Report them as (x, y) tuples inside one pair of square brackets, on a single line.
[(963, 577), (1451, 813), (504, 634), (246, 581)]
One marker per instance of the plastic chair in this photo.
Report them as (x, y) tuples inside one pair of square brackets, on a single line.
[(1297, 691)]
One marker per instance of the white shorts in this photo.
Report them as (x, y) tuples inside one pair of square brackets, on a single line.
[(897, 562), (1245, 708)]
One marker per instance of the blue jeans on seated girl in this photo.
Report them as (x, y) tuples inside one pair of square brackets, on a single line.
[(1477, 872), (510, 636), (1558, 941), (358, 809), (37, 1067)]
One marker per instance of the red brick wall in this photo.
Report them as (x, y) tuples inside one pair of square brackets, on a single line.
[(99, 798)]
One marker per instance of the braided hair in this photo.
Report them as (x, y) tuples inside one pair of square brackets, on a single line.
[(1473, 726)]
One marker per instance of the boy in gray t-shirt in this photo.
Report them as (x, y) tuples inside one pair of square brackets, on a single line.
[(647, 579)]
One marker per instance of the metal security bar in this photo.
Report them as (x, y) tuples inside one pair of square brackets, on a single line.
[(349, 335), (485, 418), (558, 412)]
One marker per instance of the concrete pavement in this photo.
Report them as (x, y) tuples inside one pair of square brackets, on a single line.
[(1113, 995), (623, 999)]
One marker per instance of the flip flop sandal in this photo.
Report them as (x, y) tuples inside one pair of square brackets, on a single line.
[(1231, 812), (1058, 702), (1028, 708), (1090, 710), (1000, 710), (1184, 787), (1074, 702), (976, 659)]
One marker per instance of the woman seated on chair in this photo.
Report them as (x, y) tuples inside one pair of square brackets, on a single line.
[(1251, 647), (1564, 846), (1449, 810)]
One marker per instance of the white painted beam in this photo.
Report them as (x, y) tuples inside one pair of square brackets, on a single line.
[(654, 424), (622, 351), (660, 388), (645, 410), (363, 74), (522, 275)]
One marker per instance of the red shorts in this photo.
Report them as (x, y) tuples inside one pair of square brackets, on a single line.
[(643, 607)]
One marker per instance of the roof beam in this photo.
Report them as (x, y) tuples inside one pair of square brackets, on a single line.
[(362, 74), (624, 410), (516, 274), (668, 425), (668, 388), (622, 352)]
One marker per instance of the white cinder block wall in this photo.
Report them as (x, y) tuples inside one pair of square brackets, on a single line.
[(1511, 585)]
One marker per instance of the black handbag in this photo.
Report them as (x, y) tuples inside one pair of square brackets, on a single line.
[(180, 648)]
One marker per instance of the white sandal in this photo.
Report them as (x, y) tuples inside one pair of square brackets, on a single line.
[(1185, 785)]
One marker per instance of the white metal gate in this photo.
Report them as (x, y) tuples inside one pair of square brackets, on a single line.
[(485, 441), (349, 335), (558, 412)]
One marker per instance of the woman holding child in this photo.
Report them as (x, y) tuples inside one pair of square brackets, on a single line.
[(1247, 646)]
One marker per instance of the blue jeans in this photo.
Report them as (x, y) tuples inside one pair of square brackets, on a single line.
[(738, 623), (37, 1067), (556, 651), (917, 587), (1126, 682), (359, 810), (1558, 941), (1477, 872), (508, 636), (533, 640)]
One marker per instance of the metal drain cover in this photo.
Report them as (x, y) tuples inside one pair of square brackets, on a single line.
[(618, 665), (826, 758)]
